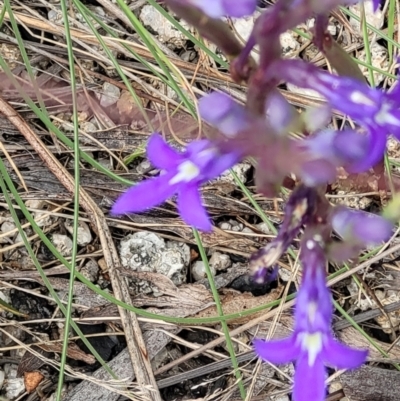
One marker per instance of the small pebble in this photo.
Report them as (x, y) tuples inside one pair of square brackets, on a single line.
[(199, 270), (62, 243)]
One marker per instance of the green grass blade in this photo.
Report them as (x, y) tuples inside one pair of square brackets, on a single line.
[(225, 329), (68, 316)]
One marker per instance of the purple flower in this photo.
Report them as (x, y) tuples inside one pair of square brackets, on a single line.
[(229, 8), (356, 226), (184, 174), (376, 4), (349, 149), (224, 113), (312, 344), (377, 111)]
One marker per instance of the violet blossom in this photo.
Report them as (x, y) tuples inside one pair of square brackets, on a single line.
[(363, 227), (312, 345), (224, 113), (183, 175), (378, 112)]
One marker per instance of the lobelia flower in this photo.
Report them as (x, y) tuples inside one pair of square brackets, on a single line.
[(224, 113), (184, 174), (356, 225), (332, 149), (358, 230), (377, 111), (312, 344)]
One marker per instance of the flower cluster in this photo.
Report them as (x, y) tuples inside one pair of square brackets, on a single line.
[(287, 146)]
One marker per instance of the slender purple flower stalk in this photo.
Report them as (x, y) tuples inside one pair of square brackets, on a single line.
[(183, 174), (312, 344), (298, 211)]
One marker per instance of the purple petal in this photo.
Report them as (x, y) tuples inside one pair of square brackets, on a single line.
[(350, 145), (341, 356), (277, 351), (220, 164), (320, 171), (213, 8), (161, 155), (192, 210), (281, 114), (369, 153), (220, 8), (239, 8), (361, 226), (309, 381), (376, 4), (145, 195), (224, 113)]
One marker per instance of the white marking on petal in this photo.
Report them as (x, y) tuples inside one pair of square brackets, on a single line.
[(310, 244), (187, 171), (312, 343), (317, 238), (312, 311), (385, 117), (359, 98)]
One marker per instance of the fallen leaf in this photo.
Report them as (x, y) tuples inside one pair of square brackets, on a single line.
[(32, 380)]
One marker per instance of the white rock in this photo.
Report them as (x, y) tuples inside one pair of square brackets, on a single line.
[(288, 43), (143, 167), (55, 17), (110, 95), (7, 227), (263, 227), (42, 219), (12, 388), (147, 252), (2, 376), (284, 274), (35, 203), (236, 226), (375, 19), (244, 26), (91, 270), (5, 296), (225, 226), (240, 169), (379, 59), (281, 398), (84, 236), (167, 33), (88, 126), (18, 238), (335, 386), (220, 261), (62, 243), (199, 270)]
